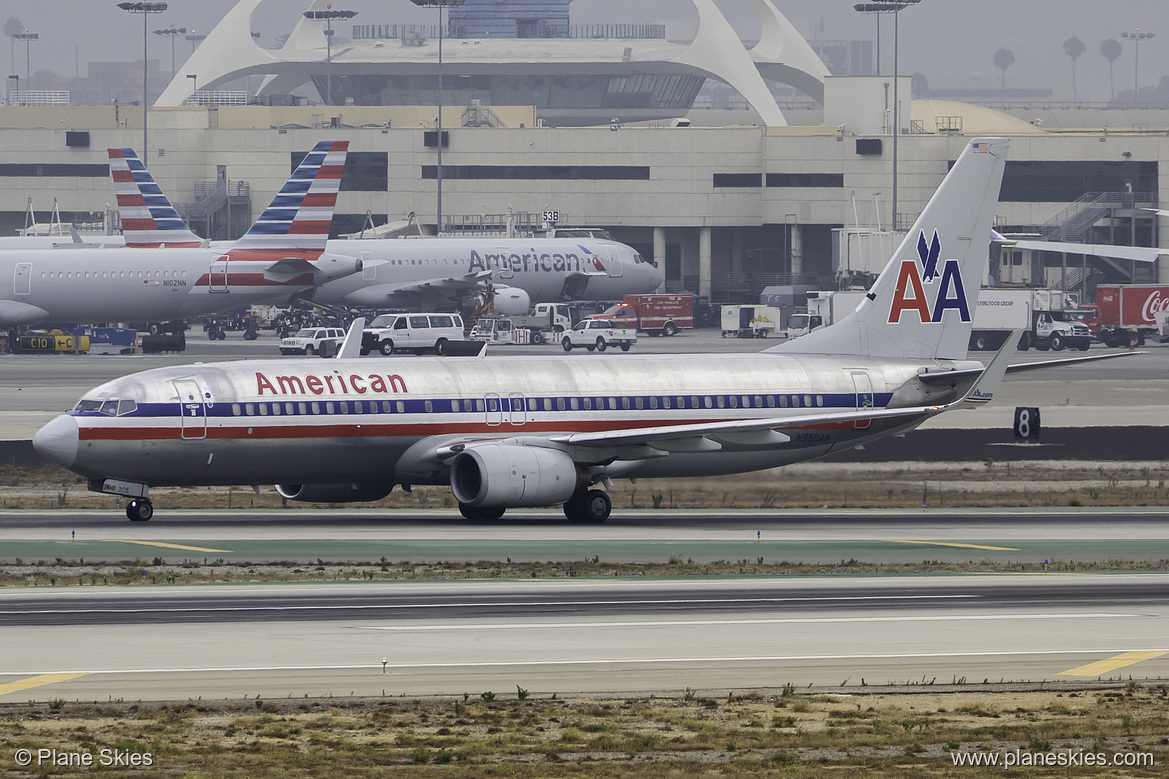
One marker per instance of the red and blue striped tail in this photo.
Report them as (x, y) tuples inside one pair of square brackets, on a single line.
[(301, 214), (148, 218)]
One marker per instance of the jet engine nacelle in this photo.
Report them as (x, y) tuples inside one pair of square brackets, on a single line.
[(511, 301), (334, 493), (505, 475), (337, 266)]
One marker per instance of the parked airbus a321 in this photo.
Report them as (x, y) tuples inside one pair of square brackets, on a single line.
[(283, 253), (544, 431)]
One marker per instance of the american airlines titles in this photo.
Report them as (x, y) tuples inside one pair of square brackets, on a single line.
[(532, 261), (335, 384)]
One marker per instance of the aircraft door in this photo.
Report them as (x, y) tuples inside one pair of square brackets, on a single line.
[(494, 406), (518, 412), (192, 409), (614, 262), (217, 276), (503, 268), (23, 280), (864, 396)]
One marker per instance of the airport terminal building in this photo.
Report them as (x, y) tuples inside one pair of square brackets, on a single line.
[(724, 210)]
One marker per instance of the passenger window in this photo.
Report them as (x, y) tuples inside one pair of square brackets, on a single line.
[(820, 400), (613, 404), (560, 404), (625, 403), (795, 401), (249, 409), (428, 406), (275, 409), (574, 404), (708, 401), (758, 401), (771, 401), (316, 407), (783, 401), (666, 402), (653, 402), (722, 402), (734, 401), (401, 407), (344, 406), (302, 408), (479, 406), (358, 407), (639, 402), (263, 409), (386, 407), (235, 409), (693, 402), (547, 404), (808, 401), (329, 407), (588, 404)]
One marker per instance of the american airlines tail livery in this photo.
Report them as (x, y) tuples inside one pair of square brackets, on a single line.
[(544, 431), (151, 280)]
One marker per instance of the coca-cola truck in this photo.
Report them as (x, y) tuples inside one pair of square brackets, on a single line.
[(1125, 314), (652, 314)]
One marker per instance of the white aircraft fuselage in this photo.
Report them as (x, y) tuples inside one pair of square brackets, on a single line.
[(429, 272), (129, 284)]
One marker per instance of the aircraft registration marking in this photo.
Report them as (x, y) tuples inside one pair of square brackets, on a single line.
[(1111, 664), (159, 543), (37, 681), (961, 546)]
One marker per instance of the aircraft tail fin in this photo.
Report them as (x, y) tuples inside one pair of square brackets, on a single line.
[(301, 214), (922, 305), (148, 218)]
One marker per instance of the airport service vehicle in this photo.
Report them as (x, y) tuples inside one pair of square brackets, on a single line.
[(1126, 314), (312, 340), (283, 253), (502, 331), (545, 320), (417, 333), (512, 431), (652, 314), (749, 321), (598, 334), (1049, 319)]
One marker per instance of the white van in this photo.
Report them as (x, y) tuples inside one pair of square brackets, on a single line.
[(417, 333)]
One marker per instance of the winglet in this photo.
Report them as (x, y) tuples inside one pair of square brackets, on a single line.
[(982, 391), (301, 214), (351, 346), (148, 218)]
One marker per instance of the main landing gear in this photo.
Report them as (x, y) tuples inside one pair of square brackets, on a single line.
[(588, 506), (139, 510)]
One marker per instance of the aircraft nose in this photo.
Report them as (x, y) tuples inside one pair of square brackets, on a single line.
[(57, 441)]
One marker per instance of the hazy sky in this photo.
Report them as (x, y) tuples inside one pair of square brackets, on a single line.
[(951, 41)]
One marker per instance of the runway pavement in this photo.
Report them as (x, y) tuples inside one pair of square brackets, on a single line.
[(1020, 536), (622, 636)]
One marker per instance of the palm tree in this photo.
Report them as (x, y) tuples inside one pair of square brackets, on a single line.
[(1074, 47), (1111, 49), (1003, 59)]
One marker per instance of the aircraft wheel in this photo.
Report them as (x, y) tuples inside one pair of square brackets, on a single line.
[(670, 329), (592, 506), (386, 347), (139, 510), (601, 345), (481, 514), (567, 344)]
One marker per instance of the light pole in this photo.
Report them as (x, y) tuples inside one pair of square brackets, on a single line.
[(441, 5), (28, 38), (327, 16), (1136, 36), (195, 39), (171, 32), (894, 7), (145, 9)]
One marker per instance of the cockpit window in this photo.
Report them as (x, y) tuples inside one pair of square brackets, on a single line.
[(637, 258), (111, 408)]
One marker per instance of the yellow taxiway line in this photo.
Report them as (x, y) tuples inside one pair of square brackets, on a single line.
[(1101, 667), (159, 543), (961, 546), (36, 681)]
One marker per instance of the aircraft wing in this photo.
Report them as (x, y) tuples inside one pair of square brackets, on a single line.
[(381, 294), (1136, 253)]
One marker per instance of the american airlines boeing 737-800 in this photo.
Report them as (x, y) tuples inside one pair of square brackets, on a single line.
[(544, 431), (177, 277)]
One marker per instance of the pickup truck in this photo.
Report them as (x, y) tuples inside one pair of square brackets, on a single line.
[(598, 334)]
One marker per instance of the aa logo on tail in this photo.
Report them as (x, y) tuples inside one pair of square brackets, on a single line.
[(924, 290)]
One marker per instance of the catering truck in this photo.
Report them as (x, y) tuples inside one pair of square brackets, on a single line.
[(1049, 319), (1125, 314), (824, 308), (652, 314)]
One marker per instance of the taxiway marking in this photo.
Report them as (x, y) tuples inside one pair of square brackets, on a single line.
[(1101, 667)]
